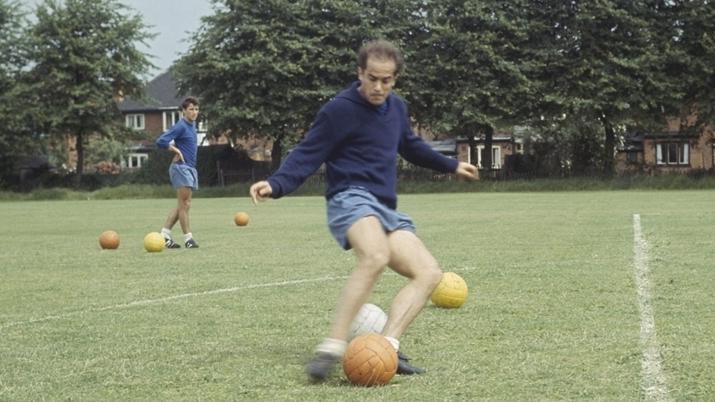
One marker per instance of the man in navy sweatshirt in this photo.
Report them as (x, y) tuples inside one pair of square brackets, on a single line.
[(358, 135), (182, 171)]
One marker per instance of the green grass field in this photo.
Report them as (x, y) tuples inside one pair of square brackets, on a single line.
[(553, 311)]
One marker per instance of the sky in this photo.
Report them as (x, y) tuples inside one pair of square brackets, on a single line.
[(172, 21)]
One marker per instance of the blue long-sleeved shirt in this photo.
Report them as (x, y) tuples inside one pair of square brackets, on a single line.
[(184, 135), (359, 146)]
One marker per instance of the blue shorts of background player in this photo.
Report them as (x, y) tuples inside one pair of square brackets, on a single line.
[(183, 175)]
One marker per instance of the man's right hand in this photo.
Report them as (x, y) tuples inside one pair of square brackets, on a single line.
[(467, 171), (178, 155), (260, 191)]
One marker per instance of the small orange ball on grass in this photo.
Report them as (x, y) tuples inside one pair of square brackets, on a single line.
[(109, 240), (241, 219), (369, 360)]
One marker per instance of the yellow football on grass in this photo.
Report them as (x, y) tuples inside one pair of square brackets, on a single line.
[(154, 242), (451, 292)]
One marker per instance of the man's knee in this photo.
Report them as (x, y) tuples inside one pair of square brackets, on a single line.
[(433, 276), (429, 274), (375, 260), (184, 203)]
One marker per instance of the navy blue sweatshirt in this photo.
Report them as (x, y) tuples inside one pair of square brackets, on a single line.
[(359, 146)]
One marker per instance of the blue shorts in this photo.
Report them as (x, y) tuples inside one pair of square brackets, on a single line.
[(346, 207), (183, 175)]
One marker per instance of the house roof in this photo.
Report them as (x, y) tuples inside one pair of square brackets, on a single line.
[(671, 135), (161, 94), (497, 137), (444, 146)]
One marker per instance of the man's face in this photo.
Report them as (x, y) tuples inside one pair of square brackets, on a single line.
[(377, 80), (191, 113)]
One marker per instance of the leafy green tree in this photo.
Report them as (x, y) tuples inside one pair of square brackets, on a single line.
[(264, 67), (601, 66), (684, 34), (84, 58), (15, 134), (10, 44), (471, 79)]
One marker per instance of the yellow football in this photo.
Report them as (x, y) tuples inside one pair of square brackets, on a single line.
[(154, 242), (451, 292)]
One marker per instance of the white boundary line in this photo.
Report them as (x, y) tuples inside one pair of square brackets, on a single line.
[(653, 382), (168, 299), (138, 303)]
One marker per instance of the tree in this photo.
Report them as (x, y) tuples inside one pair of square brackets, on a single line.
[(685, 39), (471, 78), (264, 67), (602, 57), (84, 58), (14, 137)]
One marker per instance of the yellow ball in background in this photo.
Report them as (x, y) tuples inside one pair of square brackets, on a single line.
[(154, 242), (451, 292)]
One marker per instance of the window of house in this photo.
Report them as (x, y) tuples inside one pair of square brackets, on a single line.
[(201, 126), (135, 160), (134, 121), (170, 118), (632, 157), (496, 156), (673, 153)]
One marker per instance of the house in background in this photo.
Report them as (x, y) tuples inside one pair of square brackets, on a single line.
[(156, 114), (504, 145), (669, 151), (162, 109)]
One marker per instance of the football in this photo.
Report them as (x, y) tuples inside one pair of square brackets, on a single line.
[(241, 219), (451, 292), (370, 359), (370, 318), (154, 242), (109, 240)]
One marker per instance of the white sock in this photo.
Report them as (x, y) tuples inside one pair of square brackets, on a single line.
[(335, 347), (394, 342), (166, 233), (188, 236)]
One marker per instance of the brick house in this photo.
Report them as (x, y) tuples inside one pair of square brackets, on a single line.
[(156, 114), (162, 110), (503, 146), (669, 151)]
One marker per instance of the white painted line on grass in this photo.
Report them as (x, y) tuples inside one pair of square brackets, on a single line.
[(168, 299), (653, 382), (138, 303)]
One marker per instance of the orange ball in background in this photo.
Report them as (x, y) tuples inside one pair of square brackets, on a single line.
[(109, 240), (241, 219), (370, 359)]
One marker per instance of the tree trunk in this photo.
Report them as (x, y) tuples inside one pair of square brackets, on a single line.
[(473, 150), (79, 170), (487, 159), (276, 154), (608, 147)]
